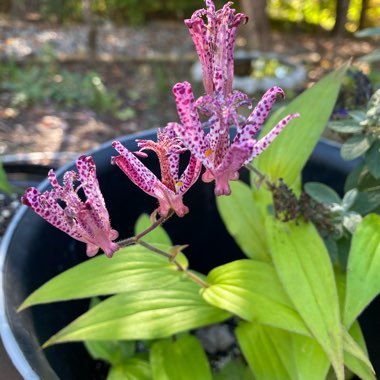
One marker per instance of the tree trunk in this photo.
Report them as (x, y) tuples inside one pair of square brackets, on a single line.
[(92, 35), (340, 17), (363, 15), (258, 28)]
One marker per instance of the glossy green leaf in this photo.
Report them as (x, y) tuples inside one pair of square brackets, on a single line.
[(262, 347), (131, 369), (363, 280), (130, 269), (309, 357), (305, 270), (355, 146), (322, 193), (252, 290), (139, 315), (158, 235), (287, 155), (372, 159), (277, 354), (234, 370), (241, 216), (179, 359), (112, 351)]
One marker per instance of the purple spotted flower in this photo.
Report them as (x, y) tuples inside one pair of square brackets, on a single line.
[(221, 157), (215, 42), (87, 221), (170, 190)]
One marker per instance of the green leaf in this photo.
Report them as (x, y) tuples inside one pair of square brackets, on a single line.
[(131, 369), (277, 354), (114, 352), (305, 270), (367, 201), (130, 269), (345, 126), (372, 159), (356, 357), (355, 146), (355, 350), (287, 155), (261, 348), (111, 351), (358, 115), (179, 359), (252, 290), (5, 186), (371, 57), (233, 370), (139, 315), (363, 280), (158, 235), (349, 199), (241, 215), (322, 193)]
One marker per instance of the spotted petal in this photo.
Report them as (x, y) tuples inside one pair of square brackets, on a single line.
[(263, 143), (228, 170), (48, 208), (137, 172), (190, 132)]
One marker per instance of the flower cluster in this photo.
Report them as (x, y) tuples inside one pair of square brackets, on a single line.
[(209, 142), (87, 221)]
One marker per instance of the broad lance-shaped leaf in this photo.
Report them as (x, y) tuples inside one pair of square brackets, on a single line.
[(158, 235), (252, 290), (132, 268), (241, 215), (180, 359), (111, 351), (363, 268), (291, 356), (287, 155), (131, 369), (355, 350), (305, 270), (150, 314)]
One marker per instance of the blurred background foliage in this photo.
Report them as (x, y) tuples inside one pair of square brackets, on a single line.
[(358, 14)]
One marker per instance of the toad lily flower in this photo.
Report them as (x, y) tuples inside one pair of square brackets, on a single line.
[(170, 190), (87, 221), (222, 158), (215, 42)]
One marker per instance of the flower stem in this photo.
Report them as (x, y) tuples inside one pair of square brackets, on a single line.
[(172, 258), (262, 176), (135, 239)]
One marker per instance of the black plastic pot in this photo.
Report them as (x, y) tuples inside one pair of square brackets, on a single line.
[(32, 252)]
